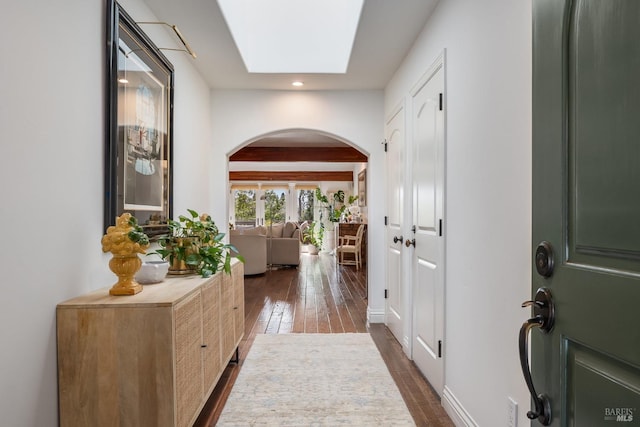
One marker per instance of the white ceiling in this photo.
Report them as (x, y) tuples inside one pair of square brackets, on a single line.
[(386, 32)]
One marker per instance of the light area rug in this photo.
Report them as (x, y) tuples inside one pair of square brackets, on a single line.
[(315, 380)]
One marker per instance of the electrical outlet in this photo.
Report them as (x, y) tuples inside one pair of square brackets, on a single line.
[(512, 413)]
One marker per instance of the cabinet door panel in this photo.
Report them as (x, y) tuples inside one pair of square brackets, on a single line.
[(211, 356), (238, 302), (226, 317), (188, 333)]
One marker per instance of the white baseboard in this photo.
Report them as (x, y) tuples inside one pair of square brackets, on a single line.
[(455, 410), (375, 316)]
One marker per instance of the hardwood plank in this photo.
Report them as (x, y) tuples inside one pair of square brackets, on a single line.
[(320, 296), (342, 309), (335, 319), (299, 312), (356, 305), (322, 308)]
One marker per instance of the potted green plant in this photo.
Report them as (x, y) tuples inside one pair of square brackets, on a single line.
[(194, 245), (333, 214), (353, 209), (336, 208), (312, 236)]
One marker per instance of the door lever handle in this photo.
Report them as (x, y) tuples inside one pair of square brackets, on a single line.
[(397, 239), (543, 318), (533, 303), (410, 242)]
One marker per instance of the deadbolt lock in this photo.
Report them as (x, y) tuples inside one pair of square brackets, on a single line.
[(544, 259)]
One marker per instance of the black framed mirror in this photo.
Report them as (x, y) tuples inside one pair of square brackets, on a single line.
[(139, 125)]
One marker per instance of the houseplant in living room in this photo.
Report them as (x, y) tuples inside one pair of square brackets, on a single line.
[(353, 209), (194, 245), (312, 237), (335, 208)]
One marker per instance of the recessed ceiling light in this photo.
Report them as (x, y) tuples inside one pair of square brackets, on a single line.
[(297, 83), (123, 81), (293, 36)]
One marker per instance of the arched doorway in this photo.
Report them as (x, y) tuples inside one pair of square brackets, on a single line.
[(291, 162)]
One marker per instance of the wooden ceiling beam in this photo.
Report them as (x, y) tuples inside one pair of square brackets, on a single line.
[(298, 154), (290, 176)]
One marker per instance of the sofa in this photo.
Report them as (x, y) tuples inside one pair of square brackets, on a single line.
[(283, 244), (260, 246), (253, 247)]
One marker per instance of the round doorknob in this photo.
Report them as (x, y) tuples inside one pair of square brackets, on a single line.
[(410, 242), (397, 239)]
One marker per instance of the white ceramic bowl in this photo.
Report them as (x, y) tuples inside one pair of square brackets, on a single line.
[(152, 272)]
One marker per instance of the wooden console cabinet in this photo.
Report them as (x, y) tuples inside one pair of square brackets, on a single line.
[(150, 359)]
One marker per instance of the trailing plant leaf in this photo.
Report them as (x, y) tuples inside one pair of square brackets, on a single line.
[(193, 260), (335, 214), (321, 197)]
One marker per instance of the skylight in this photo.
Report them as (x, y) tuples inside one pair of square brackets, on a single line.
[(293, 36)]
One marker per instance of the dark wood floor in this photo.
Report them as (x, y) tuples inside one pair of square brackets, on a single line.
[(322, 297)]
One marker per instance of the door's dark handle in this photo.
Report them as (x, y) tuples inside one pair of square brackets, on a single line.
[(397, 239), (542, 407), (543, 318), (410, 242)]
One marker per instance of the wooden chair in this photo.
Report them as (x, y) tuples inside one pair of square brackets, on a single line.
[(351, 245)]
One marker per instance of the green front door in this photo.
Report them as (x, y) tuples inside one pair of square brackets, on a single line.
[(586, 205)]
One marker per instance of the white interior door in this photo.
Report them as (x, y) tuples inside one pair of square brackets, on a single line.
[(394, 313), (428, 216)]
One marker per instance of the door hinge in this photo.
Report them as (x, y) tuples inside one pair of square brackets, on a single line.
[(386, 145), (386, 220), (439, 348), (440, 102), (440, 228), (386, 293)]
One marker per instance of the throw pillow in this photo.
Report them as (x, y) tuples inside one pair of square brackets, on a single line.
[(276, 230), (288, 230), (253, 231)]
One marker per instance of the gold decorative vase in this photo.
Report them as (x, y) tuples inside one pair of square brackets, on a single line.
[(125, 262), (125, 267)]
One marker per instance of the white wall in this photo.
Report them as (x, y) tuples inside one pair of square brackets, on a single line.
[(353, 116), (51, 169), (488, 202)]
